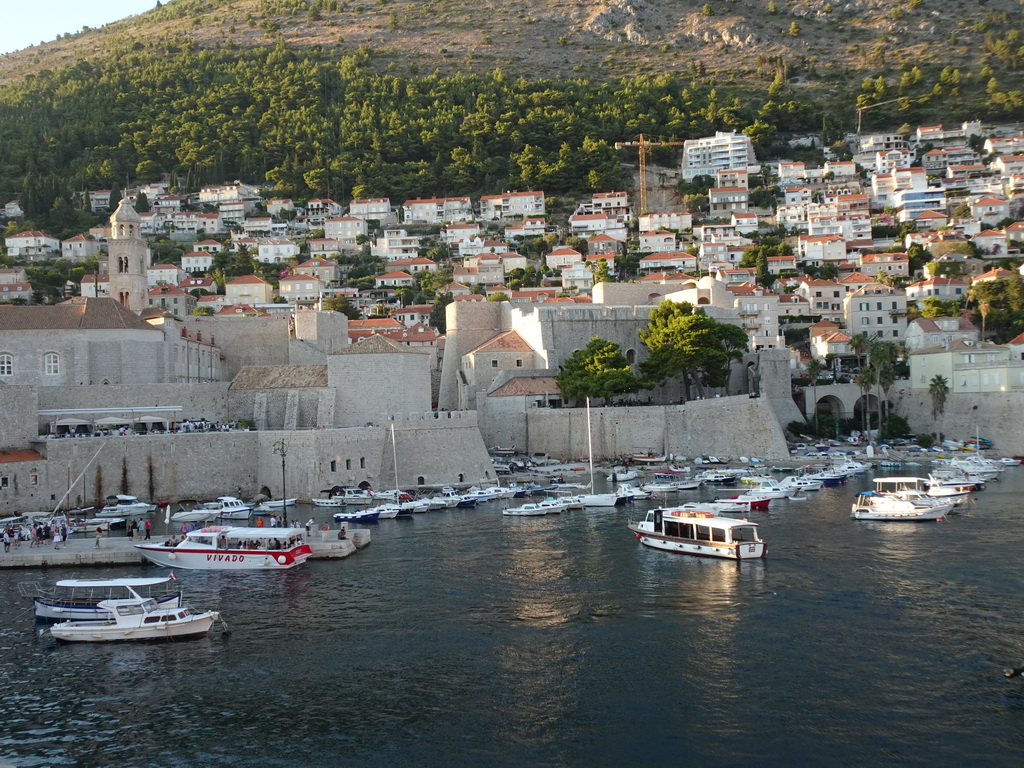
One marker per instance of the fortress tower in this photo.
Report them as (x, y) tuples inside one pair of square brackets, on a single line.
[(128, 258)]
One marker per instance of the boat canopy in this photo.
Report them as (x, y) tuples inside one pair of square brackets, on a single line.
[(250, 533), (107, 583)]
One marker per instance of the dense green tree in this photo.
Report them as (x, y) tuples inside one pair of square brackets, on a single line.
[(688, 344), (599, 370), (341, 304), (437, 314)]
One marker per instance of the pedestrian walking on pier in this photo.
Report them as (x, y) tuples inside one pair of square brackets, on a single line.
[(57, 538), (149, 529), (99, 532), (7, 541)]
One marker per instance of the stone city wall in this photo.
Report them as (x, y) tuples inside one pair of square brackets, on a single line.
[(730, 426), (210, 464), (995, 416)]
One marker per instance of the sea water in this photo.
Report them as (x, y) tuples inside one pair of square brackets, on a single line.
[(465, 638)]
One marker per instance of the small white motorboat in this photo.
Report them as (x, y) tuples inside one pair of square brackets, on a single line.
[(136, 618), (527, 510), (874, 506), (79, 599), (123, 505)]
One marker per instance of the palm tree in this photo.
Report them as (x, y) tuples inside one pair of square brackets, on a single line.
[(813, 371), (859, 345), (866, 379), (938, 388), (881, 354)]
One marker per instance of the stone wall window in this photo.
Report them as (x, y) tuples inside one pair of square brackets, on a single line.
[(348, 463), (5, 481), (51, 364), (6, 365), (362, 463), (334, 465)]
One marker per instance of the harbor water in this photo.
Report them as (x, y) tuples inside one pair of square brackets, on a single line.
[(464, 638)]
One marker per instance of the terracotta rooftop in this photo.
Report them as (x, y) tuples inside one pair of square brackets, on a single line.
[(77, 314), (543, 385), (510, 341)]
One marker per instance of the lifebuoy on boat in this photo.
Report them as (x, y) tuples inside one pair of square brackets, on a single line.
[(172, 556), (282, 559)]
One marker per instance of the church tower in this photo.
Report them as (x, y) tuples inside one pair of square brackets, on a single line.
[(127, 258)]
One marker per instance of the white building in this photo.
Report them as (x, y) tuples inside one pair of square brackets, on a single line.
[(396, 244), (347, 230), (373, 208), (523, 204), (726, 150), (275, 251)]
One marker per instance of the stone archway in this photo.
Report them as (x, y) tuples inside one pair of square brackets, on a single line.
[(829, 404)]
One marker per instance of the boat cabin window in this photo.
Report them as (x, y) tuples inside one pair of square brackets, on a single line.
[(718, 534), (129, 610), (703, 533), (672, 528), (207, 540), (744, 534), (152, 620), (687, 530)]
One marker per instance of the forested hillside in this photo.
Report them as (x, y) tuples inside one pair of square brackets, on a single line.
[(277, 90)]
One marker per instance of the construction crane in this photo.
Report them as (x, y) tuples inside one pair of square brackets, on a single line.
[(642, 143), (862, 110)]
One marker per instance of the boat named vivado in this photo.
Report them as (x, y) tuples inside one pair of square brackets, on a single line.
[(224, 547), (136, 618), (689, 532), (79, 599)]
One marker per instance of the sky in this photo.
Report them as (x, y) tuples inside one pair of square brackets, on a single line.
[(30, 22)]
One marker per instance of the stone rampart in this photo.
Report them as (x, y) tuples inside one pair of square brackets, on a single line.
[(731, 426), (431, 451), (996, 416)]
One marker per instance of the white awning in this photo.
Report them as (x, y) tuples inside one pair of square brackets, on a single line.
[(72, 422), (150, 420), (109, 421)]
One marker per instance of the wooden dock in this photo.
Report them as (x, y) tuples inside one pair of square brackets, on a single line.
[(117, 549)]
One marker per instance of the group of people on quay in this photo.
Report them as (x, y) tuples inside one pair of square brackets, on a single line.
[(39, 535), (135, 528)]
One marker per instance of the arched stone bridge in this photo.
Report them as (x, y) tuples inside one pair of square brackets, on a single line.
[(844, 401)]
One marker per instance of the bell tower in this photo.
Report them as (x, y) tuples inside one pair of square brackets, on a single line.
[(127, 258)]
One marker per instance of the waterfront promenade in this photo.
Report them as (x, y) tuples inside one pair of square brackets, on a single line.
[(117, 549)]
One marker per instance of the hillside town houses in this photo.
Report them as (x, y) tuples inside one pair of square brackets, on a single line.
[(859, 246)]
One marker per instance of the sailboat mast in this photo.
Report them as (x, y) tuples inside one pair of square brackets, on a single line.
[(590, 447), (394, 452)]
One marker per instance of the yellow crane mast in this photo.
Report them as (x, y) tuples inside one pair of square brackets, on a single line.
[(642, 143)]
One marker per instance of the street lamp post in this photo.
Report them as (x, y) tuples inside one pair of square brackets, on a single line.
[(279, 448)]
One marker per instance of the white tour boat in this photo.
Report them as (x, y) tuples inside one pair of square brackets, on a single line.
[(690, 532), (136, 618), (874, 506), (224, 547), (78, 599)]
